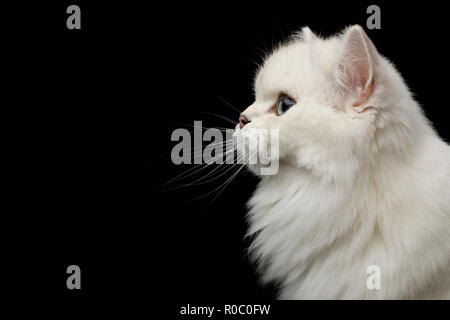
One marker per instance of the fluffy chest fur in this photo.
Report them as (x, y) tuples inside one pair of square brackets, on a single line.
[(317, 239)]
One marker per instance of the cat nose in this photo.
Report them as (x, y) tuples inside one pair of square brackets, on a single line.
[(243, 121)]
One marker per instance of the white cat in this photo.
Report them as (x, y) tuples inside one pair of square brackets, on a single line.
[(363, 177)]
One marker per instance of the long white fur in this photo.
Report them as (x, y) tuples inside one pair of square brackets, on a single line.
[(357, 186)]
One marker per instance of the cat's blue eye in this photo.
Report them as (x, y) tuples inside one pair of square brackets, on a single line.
[(284, 104)]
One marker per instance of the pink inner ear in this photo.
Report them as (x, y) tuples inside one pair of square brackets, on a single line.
[(365, 93), (356, 66)]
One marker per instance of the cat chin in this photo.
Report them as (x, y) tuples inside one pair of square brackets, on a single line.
[(255, 169), (261, 170)]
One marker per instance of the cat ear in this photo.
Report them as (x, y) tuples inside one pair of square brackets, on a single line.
[(355, 65), (307, 35)]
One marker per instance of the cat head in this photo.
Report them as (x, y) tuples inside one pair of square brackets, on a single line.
[(336, 102)]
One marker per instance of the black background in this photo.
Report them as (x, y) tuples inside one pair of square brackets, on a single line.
[(90, 120)]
